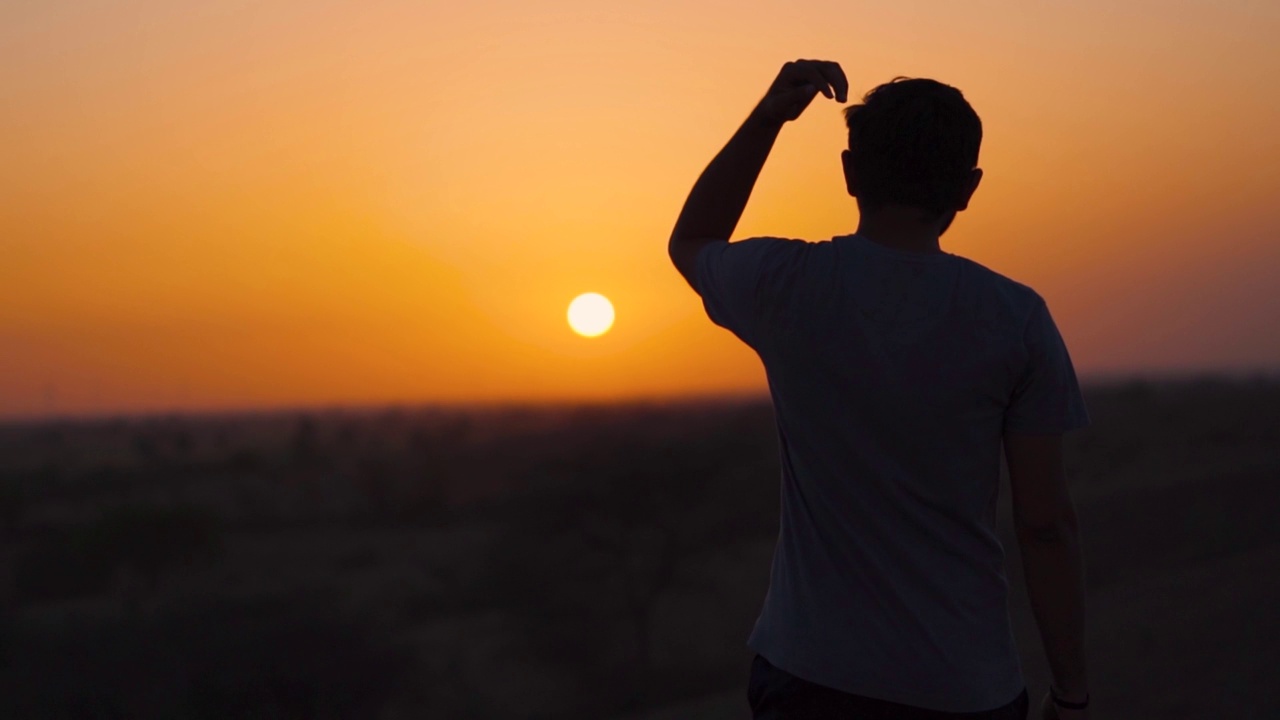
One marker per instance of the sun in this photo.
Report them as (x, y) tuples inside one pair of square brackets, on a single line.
[(591, 314)]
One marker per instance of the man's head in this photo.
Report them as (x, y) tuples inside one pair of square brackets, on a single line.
[(913, 143)]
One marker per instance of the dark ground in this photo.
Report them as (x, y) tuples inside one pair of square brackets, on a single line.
[(565, 563)]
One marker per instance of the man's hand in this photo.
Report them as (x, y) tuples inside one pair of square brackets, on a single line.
[(797, 84), (1050, 711)]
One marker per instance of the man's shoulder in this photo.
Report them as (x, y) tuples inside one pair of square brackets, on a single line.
[(988, 280), (1001, 300), (773, 241), (760, 253), (758, 245)]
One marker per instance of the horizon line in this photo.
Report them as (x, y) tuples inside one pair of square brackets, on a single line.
[(1087, 380)]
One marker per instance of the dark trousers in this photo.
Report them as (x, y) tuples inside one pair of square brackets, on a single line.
[(775, 694)]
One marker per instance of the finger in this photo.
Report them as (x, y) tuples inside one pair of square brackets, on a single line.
[(834, 74), (813, 75)]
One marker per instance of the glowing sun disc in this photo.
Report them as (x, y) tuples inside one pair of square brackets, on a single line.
[(591, 314)]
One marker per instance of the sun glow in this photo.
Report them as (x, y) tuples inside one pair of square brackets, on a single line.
[(591, 314), (302, 225)]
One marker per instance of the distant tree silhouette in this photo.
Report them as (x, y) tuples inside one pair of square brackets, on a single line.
[(305, 445), (145, 447)]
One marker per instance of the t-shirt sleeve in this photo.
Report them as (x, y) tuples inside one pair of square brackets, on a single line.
[(740, 282), (1047, 397)]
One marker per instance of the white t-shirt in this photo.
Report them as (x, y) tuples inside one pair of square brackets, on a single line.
[(894, 375)]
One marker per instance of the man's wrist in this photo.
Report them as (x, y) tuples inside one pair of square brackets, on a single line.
[(1074, 694), (758, 120)]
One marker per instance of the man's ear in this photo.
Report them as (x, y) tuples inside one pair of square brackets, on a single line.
[(975, 177), (850, 177)]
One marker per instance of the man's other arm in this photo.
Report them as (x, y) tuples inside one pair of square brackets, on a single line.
[(1048, 534), (716, 202)]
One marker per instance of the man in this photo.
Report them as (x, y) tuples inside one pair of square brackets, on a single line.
[(898, 371)]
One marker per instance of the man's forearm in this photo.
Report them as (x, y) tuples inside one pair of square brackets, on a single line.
[(717, 200), (714, 206), (1054, 569)]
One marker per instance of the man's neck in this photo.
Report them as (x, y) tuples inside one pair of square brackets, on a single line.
[(900, 228)]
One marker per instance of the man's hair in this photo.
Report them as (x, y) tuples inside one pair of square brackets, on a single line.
[(914, 142)]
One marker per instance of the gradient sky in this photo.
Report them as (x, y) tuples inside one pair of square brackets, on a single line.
[(239, 204)]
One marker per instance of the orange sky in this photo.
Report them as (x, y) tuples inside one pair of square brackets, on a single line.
[(234, 204)]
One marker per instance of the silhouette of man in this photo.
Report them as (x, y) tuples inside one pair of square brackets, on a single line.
[(898, 371)]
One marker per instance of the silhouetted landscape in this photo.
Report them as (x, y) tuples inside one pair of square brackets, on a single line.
[(567, 562)]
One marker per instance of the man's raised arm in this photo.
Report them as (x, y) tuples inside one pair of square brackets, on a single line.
[(717, 200)]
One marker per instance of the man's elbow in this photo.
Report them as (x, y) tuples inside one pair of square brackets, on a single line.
[(676, 254), (683, 253)]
